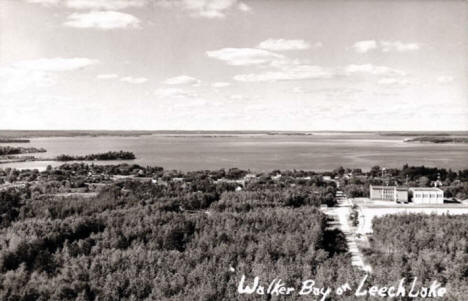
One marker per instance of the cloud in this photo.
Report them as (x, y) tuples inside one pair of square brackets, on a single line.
[(244, 7), (295, 72), (55, 64), (391, 81), (182, 80), (92, 4), (126, 79), (238, 97), (212, 9), (13, 80), (398, 46), (299, 90), (283, 68), (174, 93), (39, 73), (45, 2), (105, 20), (220, 84), (107, 76), (364, 46), (384, 46), (134, 80), (371, 69), (444, 79), (244, 56), (281, 44), (104, 4)]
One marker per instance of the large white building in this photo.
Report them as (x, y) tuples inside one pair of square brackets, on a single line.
[(427, 195), (388, 193)]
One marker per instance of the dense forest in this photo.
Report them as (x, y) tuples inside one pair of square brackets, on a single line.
[(127, 232), (428, 247), (187, 237)]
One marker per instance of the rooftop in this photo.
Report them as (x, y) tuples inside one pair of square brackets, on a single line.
[(382, 187), (389, 187), (425, 189)]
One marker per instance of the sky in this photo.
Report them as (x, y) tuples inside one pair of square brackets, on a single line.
[(300, 65)]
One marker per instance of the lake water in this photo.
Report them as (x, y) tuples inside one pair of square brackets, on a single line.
[(320, 151)]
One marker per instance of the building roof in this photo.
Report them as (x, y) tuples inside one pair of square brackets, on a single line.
[(382, 187), (427, 189), (398, 188)]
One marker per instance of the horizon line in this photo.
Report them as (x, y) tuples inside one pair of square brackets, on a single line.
[(231, 130)]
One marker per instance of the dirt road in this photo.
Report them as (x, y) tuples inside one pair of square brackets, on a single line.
[(341, 215)]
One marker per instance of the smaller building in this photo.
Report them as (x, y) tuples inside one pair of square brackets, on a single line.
[(427, 195)]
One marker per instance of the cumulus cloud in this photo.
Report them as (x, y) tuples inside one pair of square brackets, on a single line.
[(298, 90), (392, 81), (206, 8), (238, 97), (104, 4), (105, 20), (281, 67), (398, 46), (384, 46), (220, 84), (174, 93), (364, 46), (294, 72), (107, 76), (134, 80), (45, 2), (244, 56), (282, 44), (244, 7), (444, 79), (278, 67), (13, 80), (126, 79), (39, 73), (371, 69), (55, 64), (182, 80), (92, 4)]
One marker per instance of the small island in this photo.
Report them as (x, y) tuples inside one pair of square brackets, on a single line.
[(433, 139), (14, 140), (120, 155), (13, 150)]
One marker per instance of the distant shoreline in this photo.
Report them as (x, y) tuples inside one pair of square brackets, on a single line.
[(11, 135), (438, 140)]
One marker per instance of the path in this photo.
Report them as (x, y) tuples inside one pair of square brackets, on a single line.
[(341, 215)]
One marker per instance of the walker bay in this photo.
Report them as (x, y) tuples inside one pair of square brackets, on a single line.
[(254, 150)]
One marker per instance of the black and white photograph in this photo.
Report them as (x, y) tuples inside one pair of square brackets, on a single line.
[(225, 150)]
